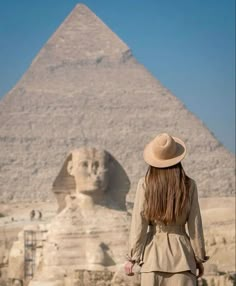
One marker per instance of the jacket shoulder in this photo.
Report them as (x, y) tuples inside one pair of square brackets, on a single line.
[(193, 187), (141, 183), (141, 180)]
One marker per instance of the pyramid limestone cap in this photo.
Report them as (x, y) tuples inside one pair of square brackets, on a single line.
[(82, 37)]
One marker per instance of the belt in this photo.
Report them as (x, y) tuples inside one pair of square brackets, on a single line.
[(161, 228)]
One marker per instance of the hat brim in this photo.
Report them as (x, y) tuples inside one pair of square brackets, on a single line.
[(151, 159)]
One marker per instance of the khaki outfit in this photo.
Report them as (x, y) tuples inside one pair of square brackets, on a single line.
[(169, 248), (185, 278)]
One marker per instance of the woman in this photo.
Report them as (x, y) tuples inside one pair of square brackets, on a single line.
[(166, 200)]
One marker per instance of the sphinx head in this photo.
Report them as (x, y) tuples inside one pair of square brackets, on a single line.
[(89, 167), (92, 172)]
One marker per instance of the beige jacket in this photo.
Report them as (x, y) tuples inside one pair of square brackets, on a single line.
[(168, 248)]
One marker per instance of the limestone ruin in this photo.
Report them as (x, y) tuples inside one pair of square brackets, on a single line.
[(85, 87)]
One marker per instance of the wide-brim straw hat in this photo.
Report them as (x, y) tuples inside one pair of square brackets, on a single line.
[(164, 151)]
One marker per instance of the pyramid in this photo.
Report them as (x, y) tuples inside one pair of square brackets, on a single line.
[(86, 88)]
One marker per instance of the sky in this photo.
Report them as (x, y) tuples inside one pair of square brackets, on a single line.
[(188, 45)]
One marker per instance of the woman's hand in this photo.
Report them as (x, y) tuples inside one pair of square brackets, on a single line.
[(200, 268), (129, 268)]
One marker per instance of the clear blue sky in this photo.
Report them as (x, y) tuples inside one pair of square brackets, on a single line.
[(189, 45)]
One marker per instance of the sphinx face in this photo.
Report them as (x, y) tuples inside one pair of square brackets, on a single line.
[(89, 168)]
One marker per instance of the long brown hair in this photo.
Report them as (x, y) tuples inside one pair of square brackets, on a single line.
[(167, 193)]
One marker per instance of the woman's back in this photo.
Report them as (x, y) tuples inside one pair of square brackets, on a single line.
[(167, 194), (166, 234), (173, 246), (182, 217)]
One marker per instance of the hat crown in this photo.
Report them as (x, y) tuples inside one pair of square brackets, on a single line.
[(164, 146), (164, 151)]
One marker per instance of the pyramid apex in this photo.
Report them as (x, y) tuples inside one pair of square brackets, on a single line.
[(81, 6), (83, 37), (82, 9)]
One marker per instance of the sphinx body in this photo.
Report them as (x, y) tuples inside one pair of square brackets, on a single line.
[(91, 229), (91, 240)]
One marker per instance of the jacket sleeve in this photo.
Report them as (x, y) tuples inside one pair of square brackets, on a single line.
[(139, 225), (195, 228)]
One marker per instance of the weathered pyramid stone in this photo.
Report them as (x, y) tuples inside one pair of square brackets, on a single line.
[(85, 88)]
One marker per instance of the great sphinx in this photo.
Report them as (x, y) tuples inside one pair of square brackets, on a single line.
[(91, 228)]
